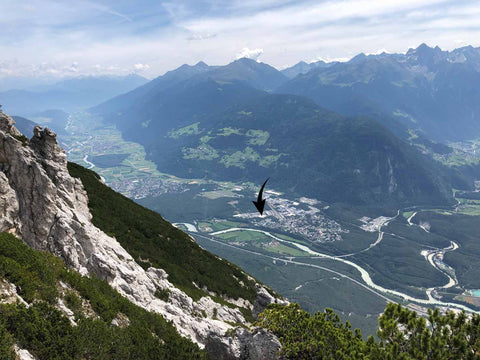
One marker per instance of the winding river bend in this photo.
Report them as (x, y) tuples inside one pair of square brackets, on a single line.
[(366, 276)]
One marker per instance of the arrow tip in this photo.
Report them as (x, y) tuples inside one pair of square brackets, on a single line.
[(259, 205)]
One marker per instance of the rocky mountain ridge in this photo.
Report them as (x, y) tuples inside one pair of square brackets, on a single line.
[(428, 90), (47, 208)]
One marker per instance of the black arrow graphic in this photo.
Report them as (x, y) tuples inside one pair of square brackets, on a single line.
[(260, 203)]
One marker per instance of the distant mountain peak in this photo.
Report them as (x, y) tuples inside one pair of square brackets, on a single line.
[(201, 64), (246, 61), (426, 55), (423, 46), (184, 66), (358, 57), (256, 74), (303, 67), (184, 71), (423, 49)]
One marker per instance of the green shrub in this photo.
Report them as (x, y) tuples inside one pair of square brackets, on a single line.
[(48, 334), (22, 138), (403, 335), (73, 302), (163, 294), (6, 344)]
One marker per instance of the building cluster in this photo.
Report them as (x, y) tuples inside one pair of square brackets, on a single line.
[(147, 186), (373, 225), (298, 218)]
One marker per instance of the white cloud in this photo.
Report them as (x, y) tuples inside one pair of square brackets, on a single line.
[(141, 66), (328, 59), (250, 53), (116, 40), (303, 15), (378, 52), (201, 36)]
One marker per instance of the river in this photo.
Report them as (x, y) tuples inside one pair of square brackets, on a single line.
[(90, 164), (364, 274)]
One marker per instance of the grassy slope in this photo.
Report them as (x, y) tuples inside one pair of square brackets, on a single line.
[(152, 241)]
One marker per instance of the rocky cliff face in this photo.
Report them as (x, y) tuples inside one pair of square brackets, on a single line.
[(47, 208)]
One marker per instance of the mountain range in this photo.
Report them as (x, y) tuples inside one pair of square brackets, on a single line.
[(426, 90), (432, 91), (79, 261), (198, 121)]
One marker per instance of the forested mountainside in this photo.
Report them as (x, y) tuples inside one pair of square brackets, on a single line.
[(307, 150)]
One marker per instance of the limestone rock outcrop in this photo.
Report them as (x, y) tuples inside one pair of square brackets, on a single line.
[(22, 354), (264, 298), (48, 209), (241, 344)]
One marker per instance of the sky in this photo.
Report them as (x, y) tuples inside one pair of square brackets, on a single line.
[(53, 38)]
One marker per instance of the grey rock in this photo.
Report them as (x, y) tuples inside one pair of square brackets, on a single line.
[(222, 347), (22, 354), (8, 293), (243, 344), (260, 344), (264, 298), (8, 205), (7, 124)]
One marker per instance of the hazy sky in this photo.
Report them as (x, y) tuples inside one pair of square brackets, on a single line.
[(149, 37)]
